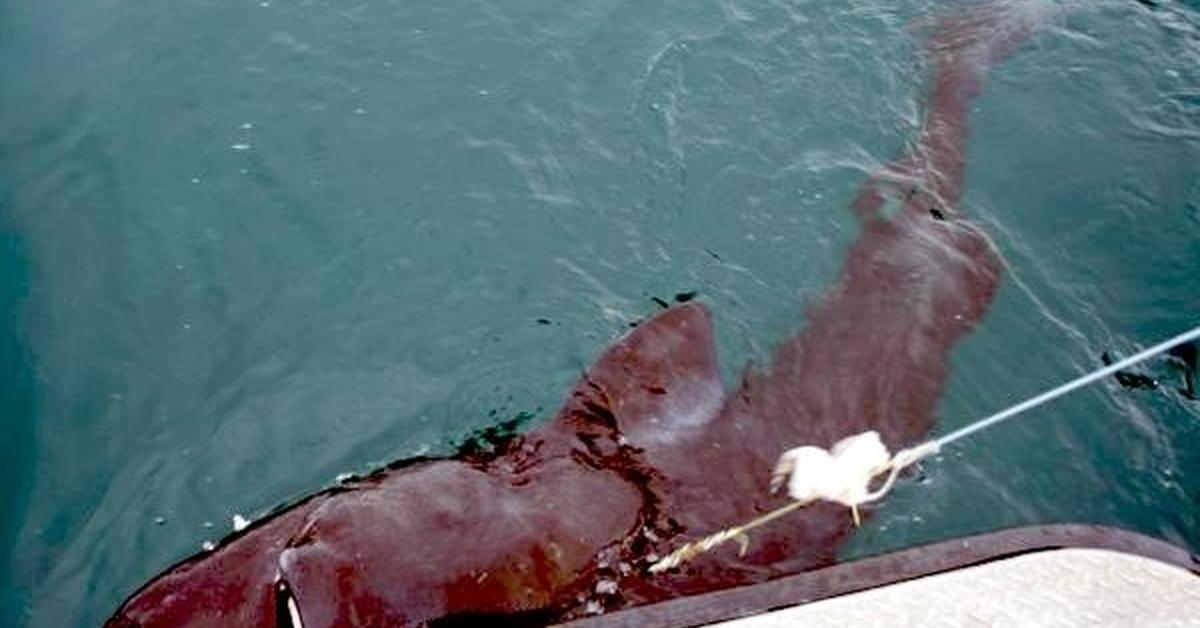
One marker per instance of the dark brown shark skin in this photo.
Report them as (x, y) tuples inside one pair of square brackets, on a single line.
[(649, 450)]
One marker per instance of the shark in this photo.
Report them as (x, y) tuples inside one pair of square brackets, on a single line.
[(650, 447)]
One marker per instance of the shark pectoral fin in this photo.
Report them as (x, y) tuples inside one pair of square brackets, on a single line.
[(659, 378)]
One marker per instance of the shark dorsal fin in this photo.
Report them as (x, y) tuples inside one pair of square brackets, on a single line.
[(656, 382)]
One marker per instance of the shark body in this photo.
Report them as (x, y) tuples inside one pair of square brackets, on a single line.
[(650, 448)]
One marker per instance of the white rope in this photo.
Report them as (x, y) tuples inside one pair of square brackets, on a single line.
[(1079, 382), (852, 487)]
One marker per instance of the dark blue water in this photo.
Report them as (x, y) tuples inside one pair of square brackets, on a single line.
[(246, 246)]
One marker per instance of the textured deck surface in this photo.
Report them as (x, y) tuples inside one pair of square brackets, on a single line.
[(1068, 587)]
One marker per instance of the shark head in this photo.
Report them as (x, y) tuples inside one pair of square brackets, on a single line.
[(232, 585)]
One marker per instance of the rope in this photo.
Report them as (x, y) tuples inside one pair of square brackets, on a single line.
[(898, 462), (691, 550), (1079, 382), (907, 457)]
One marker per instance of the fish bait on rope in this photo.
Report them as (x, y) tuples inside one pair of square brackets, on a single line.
[(844, 473)]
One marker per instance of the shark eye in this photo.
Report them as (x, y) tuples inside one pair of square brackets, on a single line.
[(287, 612)]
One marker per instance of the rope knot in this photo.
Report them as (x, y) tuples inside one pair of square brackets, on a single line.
[(842, 474)]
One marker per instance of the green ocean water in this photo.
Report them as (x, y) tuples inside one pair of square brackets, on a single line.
[(246, 246)]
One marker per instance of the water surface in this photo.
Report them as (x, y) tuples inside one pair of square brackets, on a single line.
[(246, 246)]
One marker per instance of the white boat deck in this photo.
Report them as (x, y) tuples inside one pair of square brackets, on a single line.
[(1058, 588), (1039, 576)]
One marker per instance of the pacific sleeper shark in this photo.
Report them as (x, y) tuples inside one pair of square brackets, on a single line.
[(648, 450)]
